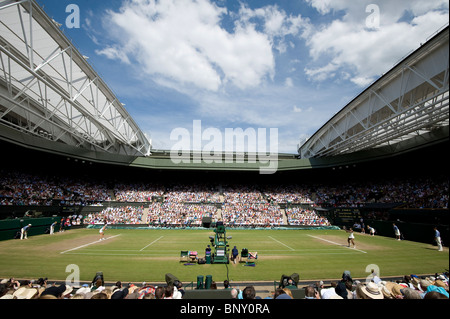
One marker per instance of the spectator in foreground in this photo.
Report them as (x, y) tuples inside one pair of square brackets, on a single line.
[(249, 293)]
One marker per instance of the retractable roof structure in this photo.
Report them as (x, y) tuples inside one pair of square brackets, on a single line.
[(47, 88), (405, 104)]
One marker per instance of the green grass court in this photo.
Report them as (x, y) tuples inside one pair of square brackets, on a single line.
[(147, 255)]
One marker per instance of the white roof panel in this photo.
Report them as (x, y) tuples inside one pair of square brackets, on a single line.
[(42, 64)]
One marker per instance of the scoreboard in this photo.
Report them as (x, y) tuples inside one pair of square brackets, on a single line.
[(346, 215)]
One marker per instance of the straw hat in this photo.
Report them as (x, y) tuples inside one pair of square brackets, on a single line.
[(391, 289), (372, 291), (424, 283), (440, 283), (396, 289), (386, 289), (25, 293), (416, 282)]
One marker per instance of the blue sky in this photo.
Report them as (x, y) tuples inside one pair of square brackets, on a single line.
[(289, 64)]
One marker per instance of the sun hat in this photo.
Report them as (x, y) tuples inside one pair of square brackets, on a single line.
[(83, 290), (386, 289), (25, 293), (68, 290), (440, 283), (372, 291), (329, 294), (416, 282), (396, 289), (424, 283), (100, 289), (409, 293)]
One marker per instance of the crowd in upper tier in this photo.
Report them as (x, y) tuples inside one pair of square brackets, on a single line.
[(18, 188)]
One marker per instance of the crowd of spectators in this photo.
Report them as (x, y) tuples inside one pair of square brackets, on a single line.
[(41, 289), (137, 192), (415, 192), (193, 193), (116, 215), (288, 193), (251, 214), (17, 188), (246, 206), (176, 214), (302, 216), (409, 287), (185, 204)]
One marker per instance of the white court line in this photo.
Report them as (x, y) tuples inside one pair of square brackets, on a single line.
[(332, 242), (94, 242), (102, 253), (282, 243), (151, 243)]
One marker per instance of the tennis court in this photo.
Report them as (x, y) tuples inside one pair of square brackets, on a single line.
[(138, 255)]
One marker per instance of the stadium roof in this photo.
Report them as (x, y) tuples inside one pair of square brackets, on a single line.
[(52, 100), (48, 89), (407, 103)]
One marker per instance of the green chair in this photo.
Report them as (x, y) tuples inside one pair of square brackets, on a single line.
[(208, 282), (184, 256), (244, 255)]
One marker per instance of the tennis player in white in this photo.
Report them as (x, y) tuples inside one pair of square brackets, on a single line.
[(351, 238), (437, 238), (102, 232)]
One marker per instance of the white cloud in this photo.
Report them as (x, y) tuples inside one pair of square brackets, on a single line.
[(250, 67), (288, 82), (297, 109), (182, 42), (277, 25), (347, 48), (114, 54)]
